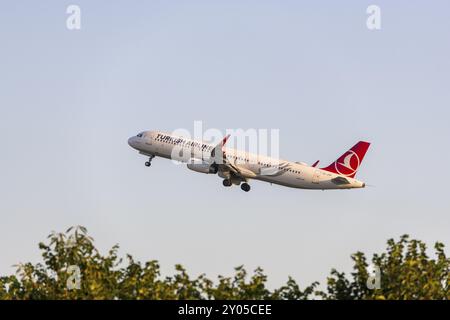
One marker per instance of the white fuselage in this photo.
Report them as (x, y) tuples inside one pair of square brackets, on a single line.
[(252, 166)]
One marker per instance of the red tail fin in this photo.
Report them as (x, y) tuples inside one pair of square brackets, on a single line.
[(349, 162)]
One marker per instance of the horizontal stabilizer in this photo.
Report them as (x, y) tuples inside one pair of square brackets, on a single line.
[(340, 181)]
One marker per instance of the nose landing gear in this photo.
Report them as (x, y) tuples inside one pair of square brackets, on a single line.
[(149, 162)]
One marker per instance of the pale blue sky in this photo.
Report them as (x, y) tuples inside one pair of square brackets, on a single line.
[(70, 99)]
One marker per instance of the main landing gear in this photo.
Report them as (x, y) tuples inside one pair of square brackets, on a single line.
[(149, 162), (245, 186)]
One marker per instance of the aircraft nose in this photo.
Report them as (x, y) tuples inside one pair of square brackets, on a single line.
[(132, 142)]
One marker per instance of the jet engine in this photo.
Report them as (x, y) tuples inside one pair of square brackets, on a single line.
[(203, 167)]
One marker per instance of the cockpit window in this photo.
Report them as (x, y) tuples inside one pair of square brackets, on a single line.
[(140, 135)]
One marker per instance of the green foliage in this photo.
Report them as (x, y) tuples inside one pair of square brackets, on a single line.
[(406, 273)]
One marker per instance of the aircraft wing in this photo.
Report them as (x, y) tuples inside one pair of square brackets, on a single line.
[(219, 157), (218, 153)]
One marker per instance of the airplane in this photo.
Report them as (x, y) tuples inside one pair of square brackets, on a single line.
[(237, 167)]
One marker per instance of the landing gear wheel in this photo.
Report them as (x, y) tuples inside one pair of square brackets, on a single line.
[(149, 162), (245, 187), (226, 183)]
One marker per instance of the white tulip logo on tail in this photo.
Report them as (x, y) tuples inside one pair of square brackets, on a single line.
[(348, 165)]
